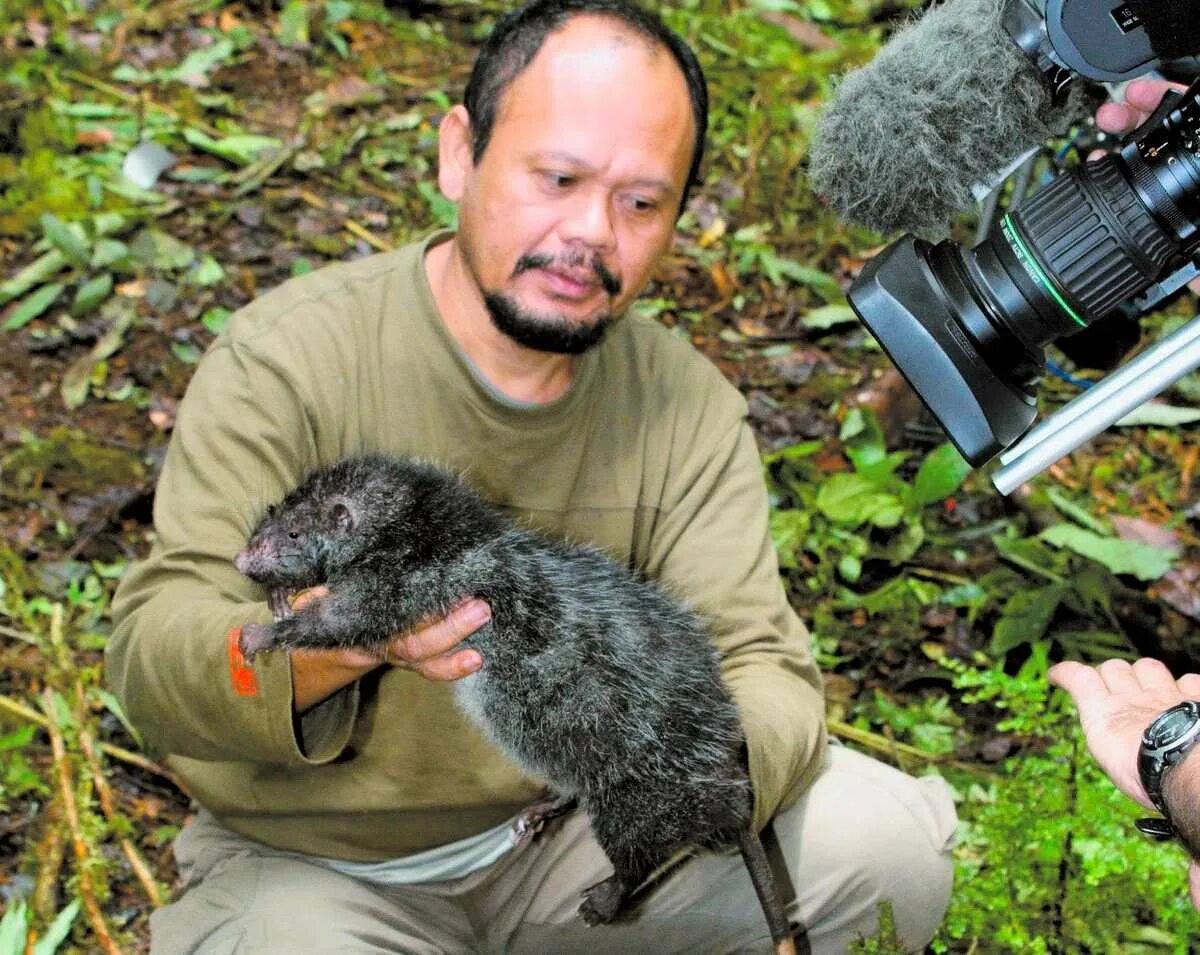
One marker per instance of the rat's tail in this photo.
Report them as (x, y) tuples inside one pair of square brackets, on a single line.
[(767, 891)]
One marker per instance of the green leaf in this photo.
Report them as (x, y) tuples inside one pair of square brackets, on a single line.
[(35, 273), (17, 739), (1164, 416), (14, 928), (1026, 617), (207, 272), (186, 352), (160, 250), (940, 475), (841, 498), (1078, 514), (794, 452), (852, 499), (824, 285), (827, 316), (58, 931), (1143, 561), (216, 319), (108, 251), (199, 62), (850, 568), (114, 706), (92, 293), (240, 149), (293, 23), (68, 239), (33, 306)]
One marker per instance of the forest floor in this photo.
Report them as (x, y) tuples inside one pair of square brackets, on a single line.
[(307, 135)]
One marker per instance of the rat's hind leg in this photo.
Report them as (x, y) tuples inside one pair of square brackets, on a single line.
[(633, 859)]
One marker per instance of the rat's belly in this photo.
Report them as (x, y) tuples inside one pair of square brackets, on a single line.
[(483, 701)]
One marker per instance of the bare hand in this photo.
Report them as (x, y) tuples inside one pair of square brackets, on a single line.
[(427, 650), (1117, 701), (1141, 99)]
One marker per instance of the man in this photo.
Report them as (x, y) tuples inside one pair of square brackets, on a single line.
[(348, 806)]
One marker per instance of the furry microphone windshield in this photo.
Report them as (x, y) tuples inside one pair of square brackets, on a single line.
[(950, 101)]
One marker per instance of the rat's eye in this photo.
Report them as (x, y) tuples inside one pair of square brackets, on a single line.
[(294, 535)]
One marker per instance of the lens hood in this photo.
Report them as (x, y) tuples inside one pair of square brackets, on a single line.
[(916, 315)]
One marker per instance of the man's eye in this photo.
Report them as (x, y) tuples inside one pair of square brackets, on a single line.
[(558, 180), (641, 204)]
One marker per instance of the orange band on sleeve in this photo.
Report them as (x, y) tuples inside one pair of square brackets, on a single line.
[(241, 673)]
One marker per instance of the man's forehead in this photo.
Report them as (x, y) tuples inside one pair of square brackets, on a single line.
[(596, 75)]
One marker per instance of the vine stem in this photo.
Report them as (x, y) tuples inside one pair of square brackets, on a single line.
[(87, 890)]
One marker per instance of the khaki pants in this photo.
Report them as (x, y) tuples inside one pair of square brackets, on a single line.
[(862, 834)]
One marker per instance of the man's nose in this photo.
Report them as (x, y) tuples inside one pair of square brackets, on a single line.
[(589, 221)]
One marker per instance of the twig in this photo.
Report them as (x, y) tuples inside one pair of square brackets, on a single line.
[(348, 224), (87, 891), (1185, 473), (18, 634), (49, 855), (109, 749), (108, 807), (891, 747)]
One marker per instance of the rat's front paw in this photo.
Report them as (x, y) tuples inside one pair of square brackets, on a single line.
[(254, 639)]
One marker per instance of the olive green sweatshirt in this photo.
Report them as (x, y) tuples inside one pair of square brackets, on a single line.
[(648, 455)]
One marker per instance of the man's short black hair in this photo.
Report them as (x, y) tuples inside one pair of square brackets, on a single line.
[(518, 36)]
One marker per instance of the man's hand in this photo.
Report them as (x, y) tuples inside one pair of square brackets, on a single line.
[(428, 650), (1117, 701), (1141, 99)]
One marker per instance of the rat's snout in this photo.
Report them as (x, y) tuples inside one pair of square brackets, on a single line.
[(244, 561)]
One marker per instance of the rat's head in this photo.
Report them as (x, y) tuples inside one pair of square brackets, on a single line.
[(313, 531)]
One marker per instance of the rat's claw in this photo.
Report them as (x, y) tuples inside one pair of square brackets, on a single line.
[(254, 639)]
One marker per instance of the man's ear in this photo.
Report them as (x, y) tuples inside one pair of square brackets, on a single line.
[(454, 153)]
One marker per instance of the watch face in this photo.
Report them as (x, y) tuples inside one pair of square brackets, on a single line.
[(1172, 725)]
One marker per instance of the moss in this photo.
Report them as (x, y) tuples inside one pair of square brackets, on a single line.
[(70, 461)]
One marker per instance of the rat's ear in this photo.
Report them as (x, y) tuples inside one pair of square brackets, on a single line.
[(341, 517)]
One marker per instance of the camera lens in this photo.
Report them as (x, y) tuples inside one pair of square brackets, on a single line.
[(1093, 239)]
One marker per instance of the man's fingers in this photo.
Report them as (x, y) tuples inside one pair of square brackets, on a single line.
[(305, 597), (1145, 95), (1117, 118), (1078, 679), (1119, 677), (450, 666), (1153, 675), (1189, 685), (441, 636)]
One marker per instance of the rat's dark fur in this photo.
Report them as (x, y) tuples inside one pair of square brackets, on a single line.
[(592, 679)]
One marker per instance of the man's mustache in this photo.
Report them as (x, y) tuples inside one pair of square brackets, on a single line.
[(572, 260)]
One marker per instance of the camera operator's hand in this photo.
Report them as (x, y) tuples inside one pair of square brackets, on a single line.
[(1141, 99), (1117, 701)]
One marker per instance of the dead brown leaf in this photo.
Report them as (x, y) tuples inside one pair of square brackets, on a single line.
[(802, 31)]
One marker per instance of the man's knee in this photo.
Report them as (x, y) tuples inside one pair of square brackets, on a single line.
[(866, 834), (250, 904)]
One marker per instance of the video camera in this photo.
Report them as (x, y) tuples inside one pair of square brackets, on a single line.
[(967, 327)]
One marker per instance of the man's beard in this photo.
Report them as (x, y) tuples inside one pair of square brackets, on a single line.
[(542, 333), (548, 333)]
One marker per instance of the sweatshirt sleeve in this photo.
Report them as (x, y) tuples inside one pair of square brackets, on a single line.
[(711, 543), (242, 437)]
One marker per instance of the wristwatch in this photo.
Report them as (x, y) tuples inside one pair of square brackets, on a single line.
[(1164, 744)]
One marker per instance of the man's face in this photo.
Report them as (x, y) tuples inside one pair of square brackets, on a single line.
[(575, 197)]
